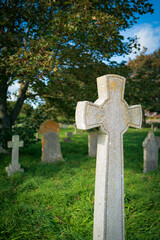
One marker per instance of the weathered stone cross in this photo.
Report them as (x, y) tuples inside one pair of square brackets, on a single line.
[(14, 166), (113, 115)]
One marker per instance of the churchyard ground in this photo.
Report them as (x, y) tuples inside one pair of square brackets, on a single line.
[(55, 201)]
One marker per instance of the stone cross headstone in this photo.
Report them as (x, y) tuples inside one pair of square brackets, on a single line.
[(51, 151), (92, 144), (150, 145), (14, 166), (113, 115)]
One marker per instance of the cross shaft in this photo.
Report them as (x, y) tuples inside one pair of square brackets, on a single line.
[(113, 115)]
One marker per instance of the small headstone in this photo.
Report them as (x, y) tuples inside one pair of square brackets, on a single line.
[(67, 139), (113, 115), (92, 144), (14, 166), (51, 151), (69, 134), (155, 129), (2, 150), (150, 152)]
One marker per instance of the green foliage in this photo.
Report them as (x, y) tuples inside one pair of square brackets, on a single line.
[(144, 82), (42, 38), (56, 201), (75, 84)]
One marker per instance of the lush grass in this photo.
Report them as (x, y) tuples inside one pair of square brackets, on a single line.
[(55, 201)]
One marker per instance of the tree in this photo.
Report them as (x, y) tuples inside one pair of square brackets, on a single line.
[(144, 81), (40, 37), (76, 84)]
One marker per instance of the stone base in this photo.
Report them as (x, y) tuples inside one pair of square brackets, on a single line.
[(51, 160), (11, 169)]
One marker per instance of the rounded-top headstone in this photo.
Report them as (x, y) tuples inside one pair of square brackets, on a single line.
[(49, 126)]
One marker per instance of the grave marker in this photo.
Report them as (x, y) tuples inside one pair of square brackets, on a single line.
[(51, 151), (113, 115), (14, 166), (69, 134), (151, 144)]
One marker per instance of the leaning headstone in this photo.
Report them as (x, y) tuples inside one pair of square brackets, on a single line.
[(92, 144), (14, 166), (150, 152), (113, 115), (51, 151)]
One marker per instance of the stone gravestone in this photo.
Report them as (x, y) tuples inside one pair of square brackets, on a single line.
[(151, 144), (51, 151), (68, 138), (113, 115), (69, 134), (2, 150), (14, 166), (92, 144)]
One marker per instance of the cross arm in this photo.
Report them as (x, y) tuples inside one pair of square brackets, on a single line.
[(88, 115), (135, 116), (21, 144), (10, 144)]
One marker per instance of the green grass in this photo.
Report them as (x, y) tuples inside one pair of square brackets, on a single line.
[(56, 201)]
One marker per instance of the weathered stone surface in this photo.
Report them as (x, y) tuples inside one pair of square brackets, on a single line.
[(151, 144), (92, 144), (51, 151), (14, 166), (113, 115)]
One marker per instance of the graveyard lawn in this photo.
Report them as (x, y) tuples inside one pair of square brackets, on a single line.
[(55, 201)]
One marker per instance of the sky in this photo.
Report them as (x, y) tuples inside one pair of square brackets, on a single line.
[(147, 30)]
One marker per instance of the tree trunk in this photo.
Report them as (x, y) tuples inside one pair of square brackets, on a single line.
[(6, 120), (18, 106)]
